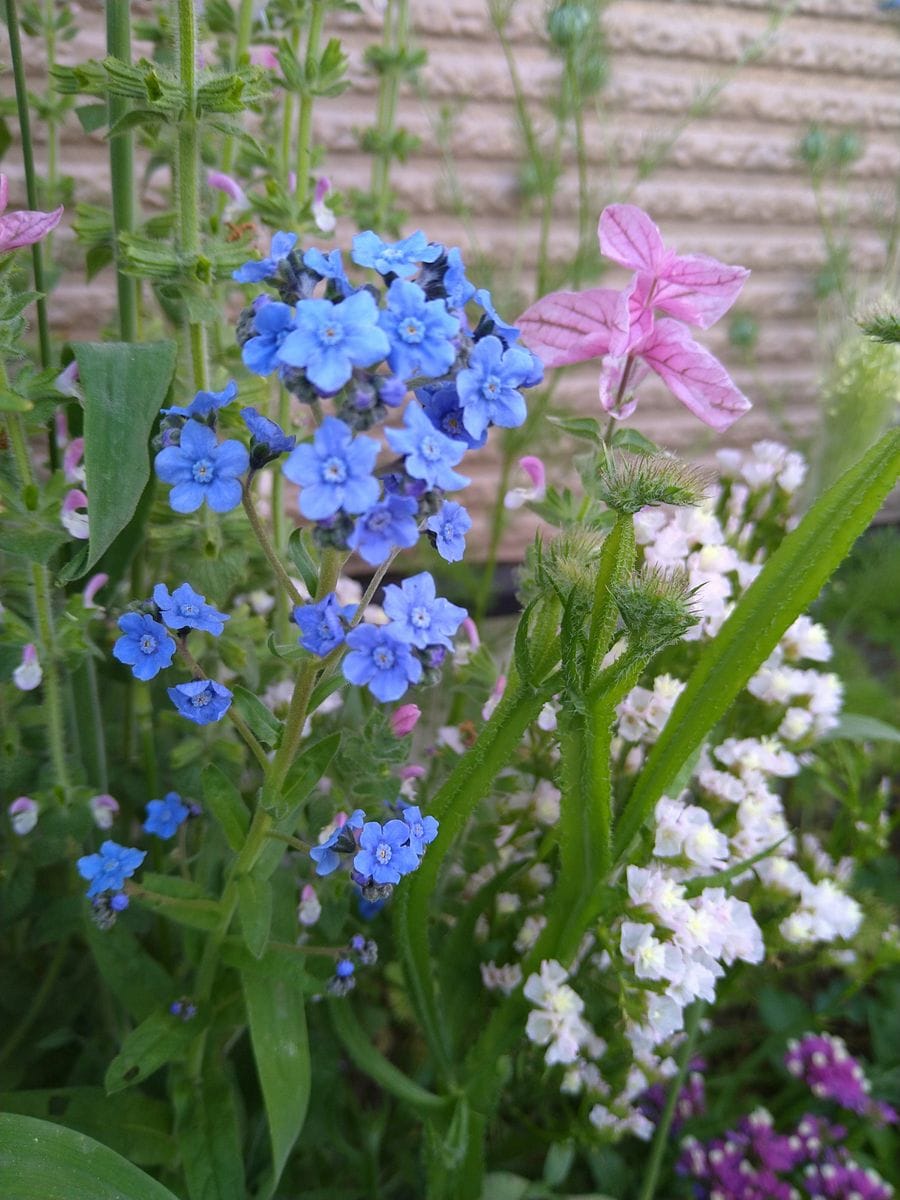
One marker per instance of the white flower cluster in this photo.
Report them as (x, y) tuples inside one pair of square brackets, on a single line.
[(811, 700), (556, 1021), (770, 464)]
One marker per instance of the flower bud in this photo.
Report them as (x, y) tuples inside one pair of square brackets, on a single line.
[(28, 674), (104, 810), (23, 813), (404, 719)]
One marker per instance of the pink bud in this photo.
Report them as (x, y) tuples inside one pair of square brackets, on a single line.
[(104, 810), (265, 57), (72, 468), (494, 698), (94, 584), (404, 719), (23, 813), (412, 771), (225, 183), (309, 910), (471, 632), (322, 214), (28, 675), (534, 469)]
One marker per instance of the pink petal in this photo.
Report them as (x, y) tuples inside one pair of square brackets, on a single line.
[(569, 327), (694, 376), (534, 469), (629, 238), (4, 193), (72, 458), (225, 183), (633, 319), (612, 372), (698, 289), (25, 228)]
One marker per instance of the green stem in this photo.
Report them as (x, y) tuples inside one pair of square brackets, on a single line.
[(304, 129), (287, 116), (236, 719), (280, 528), (661, 1137), (241, 52), (43, 608), (394, 41), (265, 542), (616, 563), (94, 732), (121, 166)]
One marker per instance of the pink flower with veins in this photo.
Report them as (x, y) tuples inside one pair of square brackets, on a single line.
[(23, 228), (620, 327)]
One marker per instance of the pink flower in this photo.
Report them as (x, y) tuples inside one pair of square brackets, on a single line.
[(622, 330), (73, 518), (534, 469), (93, 586), (72, 465), (404, 719), (104, 809), (309, 909), (225, 183), (412, 770), (23, 228), (471, 631), (23, 814), (265, 57), (28, 674), (322, 214)]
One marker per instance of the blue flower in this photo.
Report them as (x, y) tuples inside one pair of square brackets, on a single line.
[(430, 454), (422, 830), (187, 609), (266, 435), (329, 266), (421, 332), (164, 816), (327, 855), (145, 645), (257, 270), (444, 411), (202, 469), (487, 387), (401, 259), (385, 854), (202, 700), (329, 340), (381, 660), (334, 471), (418, 616), (385, 527), (449, 527), (509, 333), (322, 625), (391, 391), (108, 870), (459, 290), (272, 323), (205, 403)]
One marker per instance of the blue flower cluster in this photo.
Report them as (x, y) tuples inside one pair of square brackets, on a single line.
[(382, 853)]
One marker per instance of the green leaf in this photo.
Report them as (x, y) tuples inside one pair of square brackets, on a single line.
[(324, 689), (178, 900), (306, 771), (307, 567), (280, 1044), (124, 385), (10, 402), (786, 586), (41, 1161), (630, 439), (226, 804), (161, 1039), (255, 901), (261, 721), (585, 428), (208, 1135), (853, 727), (136, 980), (92, 116)]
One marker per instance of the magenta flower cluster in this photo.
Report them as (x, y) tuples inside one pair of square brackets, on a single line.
[(831, 1072)]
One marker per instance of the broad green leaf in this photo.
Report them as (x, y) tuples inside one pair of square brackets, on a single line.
[(280, 1043), (136, 980), (306, 771), (587, 429), (161, 1039), (226, 804), (281, 960), (124, 384), (208, 1136), (630, 439), (298, 549), (42, 1161), (788, 583), (262, 723), (178, 900), (11, 402), (255, 906), (855, 728)]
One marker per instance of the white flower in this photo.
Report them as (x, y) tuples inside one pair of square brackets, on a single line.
[(556, 1020), (23, 815), (309, 909), (651, 958), (504, 979), (104, 810), (806, 639), (547, 717), (529, 933), (546, 802)]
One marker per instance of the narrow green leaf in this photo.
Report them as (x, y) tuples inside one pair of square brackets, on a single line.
[(786, 586), (226, 804), (298, 549), (853, 727), (306, 771), (124, 385), (41, 1161), (280, 1043), (208, 1136), (324, 689), (11, 402), (255, 905), (161, 1039), (178, 900), (587, 429), (261, 721)]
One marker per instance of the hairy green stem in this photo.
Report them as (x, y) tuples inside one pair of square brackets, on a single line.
[(236, 719), (287, 117), (616, 563), (394, 41), (121, 166), (241, 50), (661, 1136), (304, 128), (265, 542)]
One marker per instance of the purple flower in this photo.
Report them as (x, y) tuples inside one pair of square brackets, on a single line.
[(334, 471), (444, 411), (401, 259), (205, 403), (418, 616), (830, 1072), (385, 527), (488, 386), (422, 830), (258, 270), (449, 527), (165, 816), (421, 332), (187, 609), (327, 855), (329, 340), (385, 854), (322, 625), (272, 322), (23, 815), (379, 659), (201, 701), (429, 454), (108, 870), (145, 645), (202, 469)]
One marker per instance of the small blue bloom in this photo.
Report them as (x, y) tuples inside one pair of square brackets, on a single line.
[(422, 830), (322, 625), (487, 387), (145, 645), (421, 332), (419, 617), (384, 528), (329, 266), (267, 434), (334, 471), (202, 469), (166, 815), (381, 660), (344, 968), (459, 290), (205, 403), (392, 391), (118, 902), (385, 854), (450, 526), (327, 855), (429, 454), (272, 322), (444, 411), (202, 700), (509, 333), (108, 870), (401, 259), (257, 270), (187, 609), (329, 340)]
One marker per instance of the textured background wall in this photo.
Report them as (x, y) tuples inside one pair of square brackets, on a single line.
[(730, 184)]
